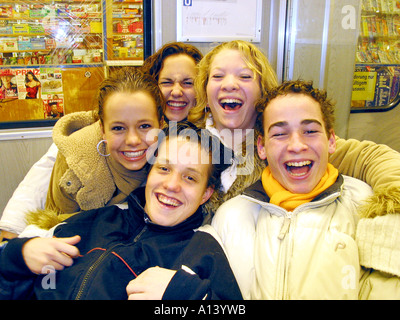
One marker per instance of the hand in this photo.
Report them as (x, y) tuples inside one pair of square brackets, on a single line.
[(7, 235), (55, 252), (150, 284)]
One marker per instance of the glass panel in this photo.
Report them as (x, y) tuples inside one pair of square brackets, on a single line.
[(377, 72)]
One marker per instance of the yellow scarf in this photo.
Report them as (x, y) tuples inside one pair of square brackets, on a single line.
[(288, 200)]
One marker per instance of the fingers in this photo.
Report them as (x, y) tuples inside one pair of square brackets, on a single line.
[(71, 240), (65, 251), (136, 291), (138, 296), (67, 246), (150, 284), (58, 253)]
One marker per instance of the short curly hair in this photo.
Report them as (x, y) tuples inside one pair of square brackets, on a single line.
[(300, 87)]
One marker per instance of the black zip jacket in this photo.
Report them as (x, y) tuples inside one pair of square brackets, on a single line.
[(117, 245)]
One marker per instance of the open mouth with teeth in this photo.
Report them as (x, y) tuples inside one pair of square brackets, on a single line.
[(134, 155), (168, 201), (177, 104), (299, 169), (231, 104)]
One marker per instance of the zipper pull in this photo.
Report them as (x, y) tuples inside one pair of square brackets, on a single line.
[(285, 227)]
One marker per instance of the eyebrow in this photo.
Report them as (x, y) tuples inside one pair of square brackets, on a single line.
[(167, 161), (171, 79), (282, 124)]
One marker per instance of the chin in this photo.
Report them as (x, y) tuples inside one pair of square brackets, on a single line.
[(176, 116), (135, 166)]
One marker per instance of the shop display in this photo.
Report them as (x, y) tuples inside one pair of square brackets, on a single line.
[(50, 32), (377, 73), (67, 45), (125, 30)]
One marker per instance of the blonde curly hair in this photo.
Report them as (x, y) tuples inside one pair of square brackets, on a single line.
[(254, 59)]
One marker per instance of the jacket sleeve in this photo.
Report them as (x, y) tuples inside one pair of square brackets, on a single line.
[(376, 164), (12, 264), (205, 273), (30, 194), (379, 251), (235, 223), (16, 280)]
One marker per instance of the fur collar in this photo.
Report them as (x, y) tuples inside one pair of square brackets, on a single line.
[(76, 136)]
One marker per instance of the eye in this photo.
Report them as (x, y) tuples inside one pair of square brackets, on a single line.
[(190, 178), (165, 83), (117, 128), (217, 76), (187, 83), (162, 168), (277, 134), (246, 76), (310, 131), (145, 126)]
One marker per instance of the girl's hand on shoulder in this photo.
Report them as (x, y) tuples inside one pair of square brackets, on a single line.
[(55, 252)]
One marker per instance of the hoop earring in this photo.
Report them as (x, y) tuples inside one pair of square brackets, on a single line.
[(98, 145)]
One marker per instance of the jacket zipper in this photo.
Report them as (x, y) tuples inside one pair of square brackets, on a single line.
[(284, 237), (91, 269), (285, 226), (99, 261)]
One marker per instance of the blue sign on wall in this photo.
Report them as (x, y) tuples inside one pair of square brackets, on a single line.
[(187, 3)]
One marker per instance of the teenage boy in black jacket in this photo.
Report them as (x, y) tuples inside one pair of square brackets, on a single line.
[(155, 249)]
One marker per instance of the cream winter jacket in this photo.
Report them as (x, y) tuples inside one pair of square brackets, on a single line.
[(310, 253)]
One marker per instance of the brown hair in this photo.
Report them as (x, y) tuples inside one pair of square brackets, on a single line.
[(129, 79), (300, 87), (153, 64)]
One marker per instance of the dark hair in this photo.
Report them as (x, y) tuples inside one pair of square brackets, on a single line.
[(300, 87), (220, 156), (31, 73), (129, 79), (153, 64)]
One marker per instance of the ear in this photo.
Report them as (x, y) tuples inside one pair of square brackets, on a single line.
[(207, 194), (261, 148), (332, 142)]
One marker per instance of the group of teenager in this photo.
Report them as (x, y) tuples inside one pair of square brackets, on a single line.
[(203, 178)]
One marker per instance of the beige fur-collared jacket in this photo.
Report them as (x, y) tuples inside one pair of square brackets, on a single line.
[(81, 179)]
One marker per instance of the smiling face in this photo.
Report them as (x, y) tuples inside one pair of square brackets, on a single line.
[(176, 82), (177, 183), (128, 117), (232, 91), (296, 144)]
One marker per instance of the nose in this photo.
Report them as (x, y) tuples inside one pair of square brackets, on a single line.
[(176, 90), (133, 138), (296, 143), (230, 83), (173, 182)]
